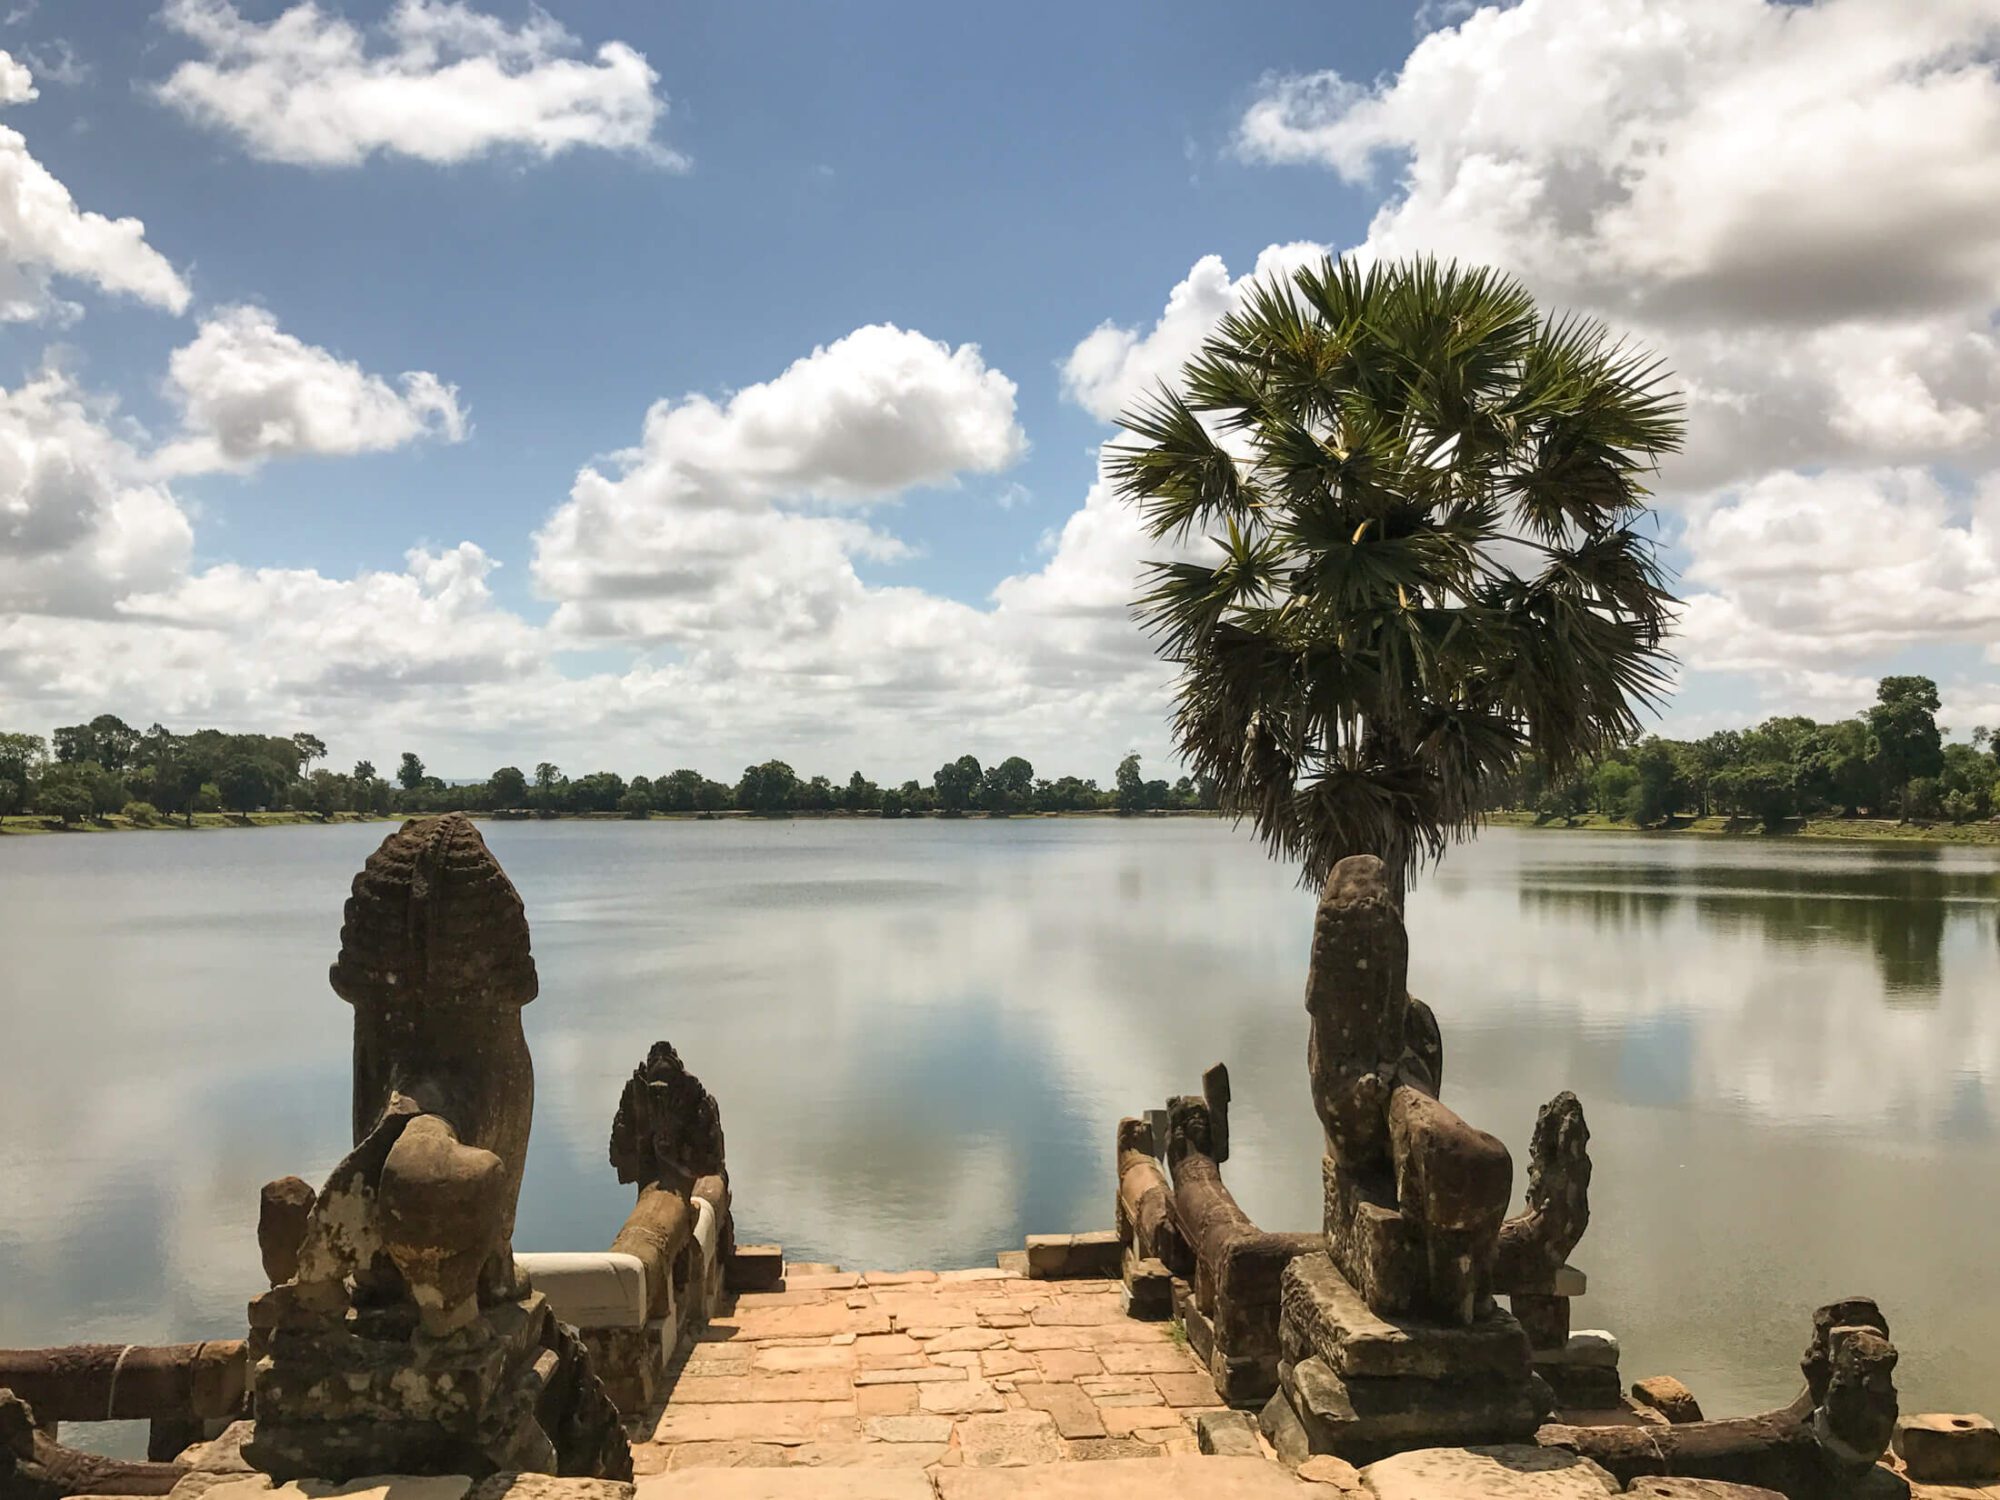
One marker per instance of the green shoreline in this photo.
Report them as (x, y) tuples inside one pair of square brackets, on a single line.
[(35, 824), (1846, 830), (1854, 830)]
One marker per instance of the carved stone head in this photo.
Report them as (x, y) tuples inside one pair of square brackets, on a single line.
[(667, 1124), (433, 921), (1189, 1129)]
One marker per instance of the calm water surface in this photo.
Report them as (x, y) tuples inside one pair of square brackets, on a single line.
[(922, 1035)]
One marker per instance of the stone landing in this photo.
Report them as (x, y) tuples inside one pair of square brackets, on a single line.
[(925, 1372)]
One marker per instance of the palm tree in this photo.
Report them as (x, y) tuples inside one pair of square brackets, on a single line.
[(1424, 495), (547, 775)]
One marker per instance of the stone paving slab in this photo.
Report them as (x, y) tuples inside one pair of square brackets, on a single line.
[(1515, 1472), (867, 1377), (788, 1484), (1129, 1479), (378, 1487)]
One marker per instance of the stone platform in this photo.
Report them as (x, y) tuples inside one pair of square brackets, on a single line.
[(924, 1371)]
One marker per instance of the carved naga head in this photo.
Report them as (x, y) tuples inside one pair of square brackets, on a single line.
[(1850, 1368), (434, 922), (667, 1126)]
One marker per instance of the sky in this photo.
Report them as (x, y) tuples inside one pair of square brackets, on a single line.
[(636, 385)]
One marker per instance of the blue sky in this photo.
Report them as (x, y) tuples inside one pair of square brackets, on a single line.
[(905, 163), (1006, 180)]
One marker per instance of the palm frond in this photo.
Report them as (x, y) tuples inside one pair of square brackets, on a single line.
[(1424, 555)]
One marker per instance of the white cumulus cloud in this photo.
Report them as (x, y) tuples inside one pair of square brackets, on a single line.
[(383, 652), (714, 575), (437, 80), (1820, 570), (1798, 205), (99, 605), (81, 527), (248, 391), (1114, 367), (707, 523), (43, 234), (17, 84), (1685, 159)]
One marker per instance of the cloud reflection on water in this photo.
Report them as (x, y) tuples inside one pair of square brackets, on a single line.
[(921, 1036)]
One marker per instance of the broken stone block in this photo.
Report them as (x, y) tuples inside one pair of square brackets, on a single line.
[(1229, 1434), (1284, 1431), (1948, 1448), (1583, 1373), (1491, 1473), (1195, 1324), (1698, 1489), (1149, 1288), (1052, 1257), (369, 1487), (196, 1483), (282, 1212), (222, 1454), (548, 1487), (1095, 1252), (755, 1268), (1048, 1255), (1581, 1388), (1338, 1473), (1592, 1346), (1668, 1397)]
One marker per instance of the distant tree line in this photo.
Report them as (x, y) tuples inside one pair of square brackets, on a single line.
[(773, 788), (106, 766), (1889, 761)]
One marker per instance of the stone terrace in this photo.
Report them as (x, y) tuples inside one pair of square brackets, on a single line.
[(925, 1372)]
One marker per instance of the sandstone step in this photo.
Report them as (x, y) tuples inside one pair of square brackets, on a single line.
[(787, 1484), (1054, 1257), (1130, 1479), (1492, 1473), (1365, 1419), (754, 1268)]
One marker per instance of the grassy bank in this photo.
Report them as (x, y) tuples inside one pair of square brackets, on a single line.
[(29, 824), (1865, 830), (32, 824)]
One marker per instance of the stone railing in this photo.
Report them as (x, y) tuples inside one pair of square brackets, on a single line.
[(638, 1303), (185, 1392), (1230, 1307)]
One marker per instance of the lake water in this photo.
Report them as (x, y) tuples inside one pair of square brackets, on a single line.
[(922, 1034)]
